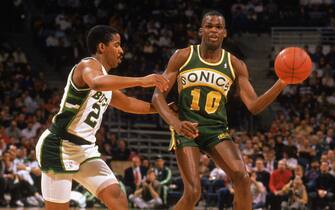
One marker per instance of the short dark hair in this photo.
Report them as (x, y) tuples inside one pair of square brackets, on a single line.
[(212, 13), (99, 34)]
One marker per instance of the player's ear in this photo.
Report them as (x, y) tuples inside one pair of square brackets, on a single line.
[(101, 47), (225, 33), (200, 31)]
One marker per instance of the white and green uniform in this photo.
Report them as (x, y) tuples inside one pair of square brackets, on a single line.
[(71, 138)]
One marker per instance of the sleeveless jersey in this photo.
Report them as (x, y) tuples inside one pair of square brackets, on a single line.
[(203, 88), (81, 112)]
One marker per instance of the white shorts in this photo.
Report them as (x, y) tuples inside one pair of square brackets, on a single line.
[(93, 174), (60, 155)]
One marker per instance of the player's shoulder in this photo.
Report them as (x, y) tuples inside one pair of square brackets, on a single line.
[(87, 63), (238, 64), (180, 56), (184, 52)]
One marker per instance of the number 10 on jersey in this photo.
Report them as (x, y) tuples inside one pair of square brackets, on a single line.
[(213, 99)]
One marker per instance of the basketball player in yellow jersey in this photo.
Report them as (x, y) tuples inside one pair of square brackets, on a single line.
[(204, 74), (66, 151)]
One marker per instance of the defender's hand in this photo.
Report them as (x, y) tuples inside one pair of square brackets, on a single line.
[(187, 129), (156, 80)]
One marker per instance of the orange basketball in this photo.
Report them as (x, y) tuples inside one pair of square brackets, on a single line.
[(293, 65)]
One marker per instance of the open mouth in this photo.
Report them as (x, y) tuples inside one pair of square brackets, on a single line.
[(120, 59), (214, 38)]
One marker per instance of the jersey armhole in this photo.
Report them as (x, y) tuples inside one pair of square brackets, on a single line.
[(188, 59), (72, 83), (231, 66)]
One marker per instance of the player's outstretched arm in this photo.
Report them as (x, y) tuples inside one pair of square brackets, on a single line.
[(96, 80), (131, 105), (254, 103), (185, 128)]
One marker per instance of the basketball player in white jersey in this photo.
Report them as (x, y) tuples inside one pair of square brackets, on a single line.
[(67, 151)]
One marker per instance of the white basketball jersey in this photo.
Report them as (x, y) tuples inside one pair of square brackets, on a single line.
[(81, 112)]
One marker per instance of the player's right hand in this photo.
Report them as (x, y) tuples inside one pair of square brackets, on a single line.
[(187, 129), (156, 80)]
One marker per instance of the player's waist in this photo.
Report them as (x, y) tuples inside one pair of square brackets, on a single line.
[(205, 121), (62, 133)]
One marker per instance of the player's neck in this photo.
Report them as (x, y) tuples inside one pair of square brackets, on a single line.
[(210, 54), (102, 60)]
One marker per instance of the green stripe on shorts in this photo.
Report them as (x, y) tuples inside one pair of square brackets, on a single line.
[(51, 154)]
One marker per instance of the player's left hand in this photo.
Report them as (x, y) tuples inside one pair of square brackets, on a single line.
[(187, 129)]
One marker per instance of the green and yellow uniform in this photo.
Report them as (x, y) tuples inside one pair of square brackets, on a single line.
[(203, 88)]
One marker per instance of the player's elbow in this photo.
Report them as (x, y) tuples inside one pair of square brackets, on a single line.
[(154, 99), (254, 110)]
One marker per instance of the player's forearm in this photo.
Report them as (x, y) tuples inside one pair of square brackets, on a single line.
[(112, 82), (161, 106), (136, 106), (267, 98)]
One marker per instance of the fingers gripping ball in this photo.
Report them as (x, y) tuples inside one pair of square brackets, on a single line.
[(293, 65)]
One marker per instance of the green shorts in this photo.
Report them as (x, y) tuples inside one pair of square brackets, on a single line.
[(208, 138)]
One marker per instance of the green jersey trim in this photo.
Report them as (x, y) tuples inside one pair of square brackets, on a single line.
[(232, 70), (188, 59)]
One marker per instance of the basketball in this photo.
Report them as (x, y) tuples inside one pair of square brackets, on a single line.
[(293, 65)]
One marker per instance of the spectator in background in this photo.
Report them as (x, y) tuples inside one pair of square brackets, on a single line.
[(13, 130), (217, 180), (312, 174), (225, 194), (163, 175), (122, 152), (134, 175), (324, 188), (3, 202), (146, 164), (261, 174), (3, 135), (29, 132), (19, 56), (148, 193), (204, 166), (278, 179), (330, 58), (258, 192), (297, 195), (109, 146), (299, 171), (305, 151), (270, 161)]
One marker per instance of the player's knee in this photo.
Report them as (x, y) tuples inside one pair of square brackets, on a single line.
[(193, 192), (113, 195), (241, 178)]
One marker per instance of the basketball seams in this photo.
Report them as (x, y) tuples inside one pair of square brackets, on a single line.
[(298, 67)]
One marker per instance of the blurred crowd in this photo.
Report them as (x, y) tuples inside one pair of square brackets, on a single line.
[(152, 30)]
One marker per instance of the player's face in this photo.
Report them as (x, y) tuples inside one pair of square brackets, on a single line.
[(213, 31), (114, 51)]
